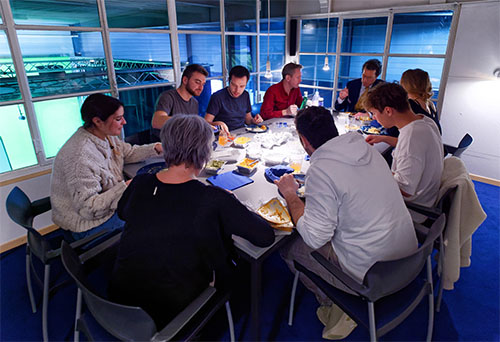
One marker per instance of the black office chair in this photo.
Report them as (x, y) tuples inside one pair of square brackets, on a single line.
[(462, 146), (131, 323), (394, 287), (22, 211)]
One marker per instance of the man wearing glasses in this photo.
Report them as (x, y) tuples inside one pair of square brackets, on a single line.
[(351, 97)]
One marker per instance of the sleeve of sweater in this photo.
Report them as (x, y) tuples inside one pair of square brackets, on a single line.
[(88, 196), (134, 153), (238, 220)]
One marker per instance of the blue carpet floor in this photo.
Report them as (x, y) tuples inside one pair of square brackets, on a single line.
[(469, 313)]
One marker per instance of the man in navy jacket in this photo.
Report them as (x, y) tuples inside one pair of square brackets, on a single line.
[(349, 96)]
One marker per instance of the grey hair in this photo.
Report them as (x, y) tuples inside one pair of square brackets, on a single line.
[(186, 139)]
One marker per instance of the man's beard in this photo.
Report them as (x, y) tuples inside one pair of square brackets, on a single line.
[(191, 91)]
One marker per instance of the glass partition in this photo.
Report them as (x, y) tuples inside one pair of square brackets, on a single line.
[(9, 88), (148, 62), (240, 15), (124, 14), (351, 68), (313, 35), (276, 52), (364, 35), (204, 49), (241, 50), (397, 65), (62, 62), (63, 113), (16, 145), (313, 73), (55, 12), (278, 16)]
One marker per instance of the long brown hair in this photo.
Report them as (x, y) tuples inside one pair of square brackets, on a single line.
[(418, 83)]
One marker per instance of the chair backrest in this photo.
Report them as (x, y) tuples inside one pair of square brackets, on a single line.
[(387, 277), (256, 108), (127, 323), (463, 145)]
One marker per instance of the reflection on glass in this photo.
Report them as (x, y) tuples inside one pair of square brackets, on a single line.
[(252, 89), (364, 35), (241, 50), (278, 16), (16, 146), (141, 58), (313, 73), (62, 62), (202, 15), (397, 65), (55, 12), (351, 68), (421, 33), (9, 88), (203, 49), (265, 83), (124, 14), (276, 52), (64, 112), (324, 93), (139, 106), (210, 87), (240, 15), (313, 35)]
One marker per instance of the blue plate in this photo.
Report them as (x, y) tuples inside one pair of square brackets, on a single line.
[(256, 128), (152, 168)]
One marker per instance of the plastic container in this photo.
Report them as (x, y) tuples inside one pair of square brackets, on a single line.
[(315, 99)]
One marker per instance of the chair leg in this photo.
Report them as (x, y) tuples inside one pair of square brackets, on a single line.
[(430, 324), (78, 314), (28, 281), (230, 321), (45, 304), (371, 319), (441, 273), (292, 298)]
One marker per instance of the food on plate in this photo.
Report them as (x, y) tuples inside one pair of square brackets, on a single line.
[(214, 165), (351, 127), (242, 140), (274, 212), (247, 165), (257, 129), (373, 130)]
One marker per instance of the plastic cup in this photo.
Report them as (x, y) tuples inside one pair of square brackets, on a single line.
[(296, 163)]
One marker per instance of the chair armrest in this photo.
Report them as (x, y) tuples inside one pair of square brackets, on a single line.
[(175, 325), (431, 212), (448, 149), (339, 274), (92, 252), (40, 206)]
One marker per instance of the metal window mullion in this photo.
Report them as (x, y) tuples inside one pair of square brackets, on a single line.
[(421, 55), (257, 18), (340, 25), (138, 30), (387, 45), (22, 79), (449, 52), (223, 42), (228, 33), (362, 54), (214, 33), (174, 41), (56, 28), (287, 33), (107, 47)]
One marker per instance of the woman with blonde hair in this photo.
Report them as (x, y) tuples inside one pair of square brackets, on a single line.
[(418, 85)]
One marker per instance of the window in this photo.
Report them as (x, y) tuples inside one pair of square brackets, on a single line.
[(313, 35), (204, 49), (124, 14), (276, 52), (365, 35), (241, 50), (16, 147), (313, 73), (9, 88), (200, 15), (240, 15), (62, 62), (351, 68), (278, 16)]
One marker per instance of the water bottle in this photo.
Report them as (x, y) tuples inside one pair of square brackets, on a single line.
[(304, 101), (321, 102), (315, 99)]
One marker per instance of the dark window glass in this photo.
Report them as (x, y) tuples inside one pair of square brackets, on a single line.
[(313, 73), (276, 52), (153, 14), (55, 12), (240, 15), (364, 35), (241, 50), (421, 33), (351, 68), (202, 15), (278, 16), (141, 58), (204, 49), (62, 62), (313, 35), (9, 88)]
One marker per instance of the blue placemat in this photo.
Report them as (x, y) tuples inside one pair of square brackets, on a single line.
[(229, 180), (152, 168)]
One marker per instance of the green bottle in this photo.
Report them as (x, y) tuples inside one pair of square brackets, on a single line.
[(304, 101)]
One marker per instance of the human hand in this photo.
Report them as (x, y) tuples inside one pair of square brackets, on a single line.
[(344, 93), (374, 139), (158, 148), (287, 185), (128, 182), (257, 119), (292, 110), (224, 128)]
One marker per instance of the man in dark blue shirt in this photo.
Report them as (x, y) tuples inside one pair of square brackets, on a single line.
[(230, 107)]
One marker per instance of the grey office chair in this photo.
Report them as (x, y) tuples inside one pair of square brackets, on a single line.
[(131, 323), (393, 287), (22, 211), (462, 146)]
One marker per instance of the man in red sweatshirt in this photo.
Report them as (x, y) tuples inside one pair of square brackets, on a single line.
[(283, 98)]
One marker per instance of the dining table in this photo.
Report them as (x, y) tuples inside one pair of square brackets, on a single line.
[(278, 143)]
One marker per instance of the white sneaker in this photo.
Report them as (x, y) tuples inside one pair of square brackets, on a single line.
[(338, 325)]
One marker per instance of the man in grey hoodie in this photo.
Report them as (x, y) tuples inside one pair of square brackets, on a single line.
[(353, 213)]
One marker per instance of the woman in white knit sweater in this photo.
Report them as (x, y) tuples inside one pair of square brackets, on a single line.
[(87, 176)]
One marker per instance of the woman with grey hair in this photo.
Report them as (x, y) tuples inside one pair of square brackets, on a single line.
[(178, 230)]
